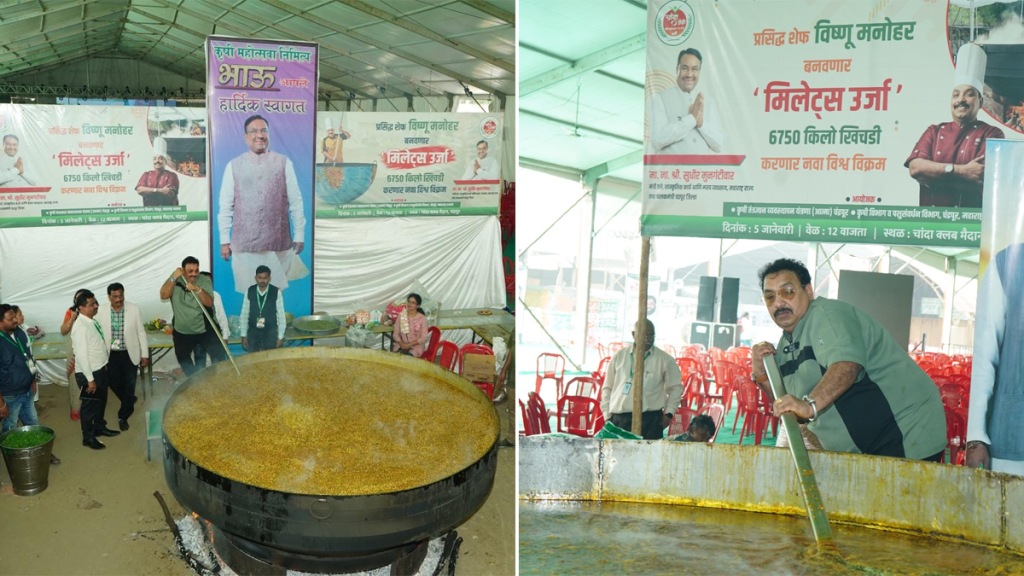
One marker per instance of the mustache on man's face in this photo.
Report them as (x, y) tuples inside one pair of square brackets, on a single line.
[(780, 310)]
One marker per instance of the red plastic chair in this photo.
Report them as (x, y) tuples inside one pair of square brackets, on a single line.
[(687, 365), (681, 420), (956, 437), (717, 413), (584, 386), (953, 398), (692, 350), (740, 356), (725, 378), (614, 347), (510, 278), (693, 389), (717, 354), (755, 415), (486, 386), (550, 367), (433, 337), (602, 369), (539, 413), (578, 415), (447, 355), (528, 428)]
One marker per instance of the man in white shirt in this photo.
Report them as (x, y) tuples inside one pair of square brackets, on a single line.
[(129, 348), (682, 120), (91, 357), (262, 319), (12, 166), (483, 167), (663, 388)]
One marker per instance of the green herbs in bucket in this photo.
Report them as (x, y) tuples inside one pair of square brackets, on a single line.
[(26, 439)]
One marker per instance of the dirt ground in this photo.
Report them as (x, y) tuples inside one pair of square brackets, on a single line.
[(99, 517)]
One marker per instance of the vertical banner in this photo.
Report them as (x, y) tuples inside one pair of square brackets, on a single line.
[(997, 377), (262, 113)]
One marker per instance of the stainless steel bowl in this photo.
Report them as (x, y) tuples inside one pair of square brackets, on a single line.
[(305, 320)]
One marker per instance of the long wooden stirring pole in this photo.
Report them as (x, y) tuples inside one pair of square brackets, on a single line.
[(808, 484), (213, 325)]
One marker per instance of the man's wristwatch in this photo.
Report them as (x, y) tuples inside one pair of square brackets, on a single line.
[(974, 444), (948, 168)]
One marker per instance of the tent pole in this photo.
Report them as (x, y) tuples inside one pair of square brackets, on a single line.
[(585, 305), (640, 338)]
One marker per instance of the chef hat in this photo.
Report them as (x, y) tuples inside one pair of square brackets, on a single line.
[(328, 124), (160, 146), (970, 66)]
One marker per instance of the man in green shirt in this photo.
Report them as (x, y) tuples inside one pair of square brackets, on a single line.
[(189, 293), (844, 374)]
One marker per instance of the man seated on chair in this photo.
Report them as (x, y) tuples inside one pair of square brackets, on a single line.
[(663, 388), (701, 429)]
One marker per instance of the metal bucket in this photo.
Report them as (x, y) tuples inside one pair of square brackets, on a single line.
[(29, 467)]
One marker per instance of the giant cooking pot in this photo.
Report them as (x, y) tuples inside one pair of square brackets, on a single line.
[(336, 523)]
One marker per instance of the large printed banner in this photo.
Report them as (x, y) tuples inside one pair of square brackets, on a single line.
[(826, 121), (994, 417), (402, 164), (85, 165), (261, 100)]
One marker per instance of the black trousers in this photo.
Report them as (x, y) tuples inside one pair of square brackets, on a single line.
[(261, 339), (650, 423), (93, 405), (122, 375), (184, 345)]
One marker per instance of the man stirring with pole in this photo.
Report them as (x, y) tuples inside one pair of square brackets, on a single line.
[(845, 376)]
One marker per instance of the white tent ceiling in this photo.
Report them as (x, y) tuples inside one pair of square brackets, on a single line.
[(368, 49)]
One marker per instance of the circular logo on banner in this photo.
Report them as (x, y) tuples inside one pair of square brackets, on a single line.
[(489, 127), (674, 23)]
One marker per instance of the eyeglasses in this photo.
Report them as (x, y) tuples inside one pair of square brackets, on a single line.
[(786, 293), (255, 131)]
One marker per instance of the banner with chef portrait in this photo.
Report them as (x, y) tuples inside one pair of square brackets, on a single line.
[(90, 165), (408, 164), (830, 121)]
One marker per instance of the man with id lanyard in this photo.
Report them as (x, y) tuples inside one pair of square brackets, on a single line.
[(91, 357), (262, 319), (663, 388), (129, 348), (18, 374)]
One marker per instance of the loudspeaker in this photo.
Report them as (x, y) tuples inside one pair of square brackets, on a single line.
[(724, 336), (706, 299), (730, 302), (700, 333)]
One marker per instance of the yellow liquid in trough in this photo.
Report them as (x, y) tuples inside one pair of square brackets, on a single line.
[(597, 538)]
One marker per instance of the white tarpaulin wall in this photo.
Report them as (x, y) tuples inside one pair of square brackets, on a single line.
[(457, 260), (359, 263)]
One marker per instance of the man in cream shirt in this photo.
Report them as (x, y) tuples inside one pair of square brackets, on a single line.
[(663, 388), (124, 331)]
